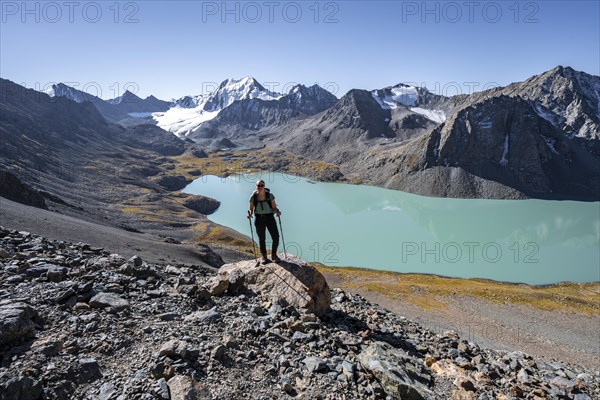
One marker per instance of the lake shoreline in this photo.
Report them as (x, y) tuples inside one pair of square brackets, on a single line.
[(485, 239)]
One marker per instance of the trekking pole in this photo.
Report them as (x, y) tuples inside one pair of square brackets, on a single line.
[(282, 238), (252, 234)]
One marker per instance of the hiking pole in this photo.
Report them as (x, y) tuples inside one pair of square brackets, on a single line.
[(252, 234), (282, 238)]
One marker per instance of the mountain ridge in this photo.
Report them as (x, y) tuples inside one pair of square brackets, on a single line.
[(396, 123)]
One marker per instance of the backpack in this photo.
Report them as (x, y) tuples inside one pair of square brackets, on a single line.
[(266, 200)]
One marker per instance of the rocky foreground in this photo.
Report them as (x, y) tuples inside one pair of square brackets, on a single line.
[(78, 322)]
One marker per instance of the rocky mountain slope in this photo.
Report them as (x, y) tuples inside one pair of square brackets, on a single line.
[(569, 99), (78, 322), (79, 163), (355, 124), (500, 141), (237, 109), (538, 138), (240, 122), (234, 106)]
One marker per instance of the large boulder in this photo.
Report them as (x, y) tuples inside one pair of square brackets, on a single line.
[(17, 320), (201, 204), (292, 281), (401, 376)]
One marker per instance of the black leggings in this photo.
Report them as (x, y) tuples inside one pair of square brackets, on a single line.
[(267, 221)]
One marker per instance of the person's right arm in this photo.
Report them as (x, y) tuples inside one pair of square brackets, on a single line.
[(250, 209)]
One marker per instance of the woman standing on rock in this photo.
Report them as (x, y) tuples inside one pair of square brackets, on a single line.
[(262, 204)]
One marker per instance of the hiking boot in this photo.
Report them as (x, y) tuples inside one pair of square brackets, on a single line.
[(275, 257), (265, 259)]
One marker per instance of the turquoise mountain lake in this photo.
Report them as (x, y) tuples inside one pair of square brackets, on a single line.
[(530, 241)]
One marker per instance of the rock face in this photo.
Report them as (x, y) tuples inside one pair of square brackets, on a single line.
[(568, 98), (499, 141), (292, 282), (395, 371), (538, 138), (12, 188), (309, 100)]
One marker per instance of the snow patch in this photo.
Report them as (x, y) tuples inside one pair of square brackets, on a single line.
[(62, 90), (397, 95), (593, 87), (140, 114), (550, 143), (485, 124), (379, 101), (437, 116), (548, 116), (181, 121), (504, 159)]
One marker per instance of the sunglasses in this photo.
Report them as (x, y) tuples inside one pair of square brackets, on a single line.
[(260, 185)]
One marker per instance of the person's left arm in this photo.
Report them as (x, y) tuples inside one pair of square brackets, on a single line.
[(274, 207)]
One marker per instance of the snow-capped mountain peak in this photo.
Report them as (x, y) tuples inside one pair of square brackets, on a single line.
[(310, 100), (413, 97), (232, 90), (62, 90), (569, 99), (127, 97), (190, 112), (400, 94), (189, 101)]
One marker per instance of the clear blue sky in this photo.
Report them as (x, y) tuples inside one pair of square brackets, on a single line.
[(171, 49)]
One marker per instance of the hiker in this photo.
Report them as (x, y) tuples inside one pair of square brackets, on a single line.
[(262, 204)]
